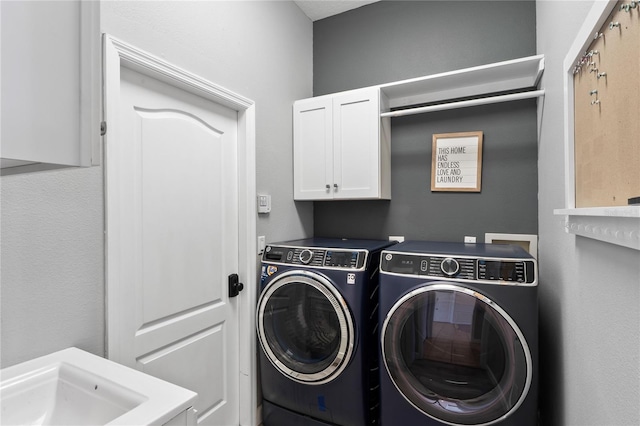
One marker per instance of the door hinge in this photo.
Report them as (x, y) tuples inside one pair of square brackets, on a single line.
[(235, 286), (103, 128)]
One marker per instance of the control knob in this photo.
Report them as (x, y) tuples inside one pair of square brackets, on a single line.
[(305, 256), (450, 266)]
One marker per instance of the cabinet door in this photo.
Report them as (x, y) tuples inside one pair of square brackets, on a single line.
[(313, 149), (50, 83), (356, 144)]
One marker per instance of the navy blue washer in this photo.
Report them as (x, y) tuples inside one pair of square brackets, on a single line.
[(317, 326), (459, 335)]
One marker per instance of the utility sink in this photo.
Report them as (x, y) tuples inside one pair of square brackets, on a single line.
[(74, 387)]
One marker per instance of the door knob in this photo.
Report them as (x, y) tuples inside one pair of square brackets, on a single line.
[(235, 286)]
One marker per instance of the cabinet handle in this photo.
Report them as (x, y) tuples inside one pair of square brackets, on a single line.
[(335, 186), (328, 186)]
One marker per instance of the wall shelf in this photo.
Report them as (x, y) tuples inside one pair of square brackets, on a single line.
[(465, 104), (615, 225), (508, 76)]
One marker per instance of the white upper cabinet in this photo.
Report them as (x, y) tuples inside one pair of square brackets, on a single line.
[(50, 84), (341, 142), (341, 147)]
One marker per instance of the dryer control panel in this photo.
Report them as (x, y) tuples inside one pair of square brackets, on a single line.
[(520, 271), (316, 257)]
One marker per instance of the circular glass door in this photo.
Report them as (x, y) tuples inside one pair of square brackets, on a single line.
[(305, 327), (455, 355)]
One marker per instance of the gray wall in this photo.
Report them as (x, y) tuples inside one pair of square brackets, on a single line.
[(395, 40), (52, 294), (589, 290)]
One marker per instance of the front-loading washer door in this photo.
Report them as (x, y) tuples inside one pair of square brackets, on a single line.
[(305, 327), (455, 355)]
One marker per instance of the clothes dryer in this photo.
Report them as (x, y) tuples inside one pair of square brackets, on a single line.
[(459, 335), (316, 322)]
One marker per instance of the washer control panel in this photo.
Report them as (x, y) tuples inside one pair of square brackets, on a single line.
[(316, 257), (520, 271)]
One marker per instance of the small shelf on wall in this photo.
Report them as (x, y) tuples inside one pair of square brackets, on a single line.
[(620, 224), (615, 225)]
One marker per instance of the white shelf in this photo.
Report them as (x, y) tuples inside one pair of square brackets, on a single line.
[(513, 75), (465, 104), (621, 211), (615, 225)]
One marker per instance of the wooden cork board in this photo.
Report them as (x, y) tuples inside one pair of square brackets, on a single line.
[(607, 113)]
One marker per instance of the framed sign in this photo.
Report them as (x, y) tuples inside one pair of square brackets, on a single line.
[(456, 163)]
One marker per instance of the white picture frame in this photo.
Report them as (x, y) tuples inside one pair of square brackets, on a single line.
[(456, 162)]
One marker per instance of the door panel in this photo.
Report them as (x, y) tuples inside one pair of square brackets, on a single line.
[(175, 364), (174, 158), (173, 216)]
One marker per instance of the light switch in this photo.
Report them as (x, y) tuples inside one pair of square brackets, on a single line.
[(264, 203)]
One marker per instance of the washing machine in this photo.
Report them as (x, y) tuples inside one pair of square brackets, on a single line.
[(459, 334), (316, 321)]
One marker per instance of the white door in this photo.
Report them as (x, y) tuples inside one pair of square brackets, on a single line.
[(172, 236)]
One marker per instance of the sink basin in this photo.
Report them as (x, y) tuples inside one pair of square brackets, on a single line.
[(62, 394), (74, 387)]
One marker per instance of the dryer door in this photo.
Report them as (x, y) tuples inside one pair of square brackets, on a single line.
[(305, 327), (455, 355)]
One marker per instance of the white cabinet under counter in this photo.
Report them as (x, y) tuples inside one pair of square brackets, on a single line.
[(341, 147)]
